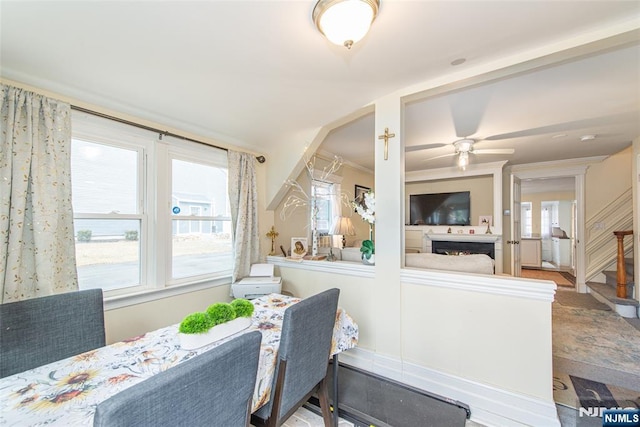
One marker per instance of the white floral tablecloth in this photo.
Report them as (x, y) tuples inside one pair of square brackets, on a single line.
[(67, 392)]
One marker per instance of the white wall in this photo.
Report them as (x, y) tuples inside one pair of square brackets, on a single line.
[(606, 180), (483, 340), (636, 217), (133, 320)]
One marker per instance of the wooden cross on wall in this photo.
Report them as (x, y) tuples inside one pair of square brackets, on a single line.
[(386, 137)]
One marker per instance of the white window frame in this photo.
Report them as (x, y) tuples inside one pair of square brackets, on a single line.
[(188, 153), (154, 193), (527, 219), (330, 187)]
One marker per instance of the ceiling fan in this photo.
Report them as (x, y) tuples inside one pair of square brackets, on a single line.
[(462, 148)]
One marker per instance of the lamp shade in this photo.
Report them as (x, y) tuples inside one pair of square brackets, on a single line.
[(342, 225), (345, 22)]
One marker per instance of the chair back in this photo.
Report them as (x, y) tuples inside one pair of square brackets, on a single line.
[(305, 346), (214, 388), (42, 330)]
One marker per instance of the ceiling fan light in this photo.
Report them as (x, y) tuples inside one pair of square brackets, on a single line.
[(345, 22), (463, 159), (463, 145)]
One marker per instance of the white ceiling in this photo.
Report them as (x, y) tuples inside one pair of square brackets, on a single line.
[(257, 74), (542, 115)]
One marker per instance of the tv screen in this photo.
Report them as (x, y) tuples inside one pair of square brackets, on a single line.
[(440, 208)]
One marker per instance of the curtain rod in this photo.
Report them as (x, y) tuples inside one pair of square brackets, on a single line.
[(260, 159)]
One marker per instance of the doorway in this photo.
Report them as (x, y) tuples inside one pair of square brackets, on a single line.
[(557, 232), (556, 183)]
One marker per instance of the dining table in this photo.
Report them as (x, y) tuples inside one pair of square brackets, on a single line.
[(66, 392)]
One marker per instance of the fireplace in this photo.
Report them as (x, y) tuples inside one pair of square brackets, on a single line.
[(446, 247)]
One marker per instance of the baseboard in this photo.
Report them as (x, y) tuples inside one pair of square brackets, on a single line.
[(489, 405)]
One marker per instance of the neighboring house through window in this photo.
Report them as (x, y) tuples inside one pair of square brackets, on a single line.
[(148, 212)]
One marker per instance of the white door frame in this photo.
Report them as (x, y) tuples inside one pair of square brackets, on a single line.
[(577, 169), (516, 225)]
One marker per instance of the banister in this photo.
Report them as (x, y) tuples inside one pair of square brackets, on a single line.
[(621, 276)]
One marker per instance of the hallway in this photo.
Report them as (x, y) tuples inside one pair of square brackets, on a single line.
[(589, 339), (590, 342)]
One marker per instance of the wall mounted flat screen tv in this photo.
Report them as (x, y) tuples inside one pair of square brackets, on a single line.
[(440, 208)]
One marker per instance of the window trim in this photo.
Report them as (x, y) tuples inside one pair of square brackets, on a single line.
[(330, 188), (115, 301), (154, 191), (141, 148), (192, 153)]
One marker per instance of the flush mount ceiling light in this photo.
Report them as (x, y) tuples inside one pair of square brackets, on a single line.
[(345, 22)]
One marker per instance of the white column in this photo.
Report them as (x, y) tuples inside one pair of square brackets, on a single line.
[(389, 193)]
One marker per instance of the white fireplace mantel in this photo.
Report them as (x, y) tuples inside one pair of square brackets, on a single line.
[(496, 239), (460, 237)]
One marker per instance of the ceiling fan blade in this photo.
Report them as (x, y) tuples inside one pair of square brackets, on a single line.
[(439, 157), (467, 110), (422, 147), (495, 151), (567, 126)]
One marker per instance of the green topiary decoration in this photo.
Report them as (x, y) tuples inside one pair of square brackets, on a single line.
[(243, 307), (367, 249), (221, 312), (195, 323)]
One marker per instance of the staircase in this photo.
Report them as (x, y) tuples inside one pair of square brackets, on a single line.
[(618, 290)]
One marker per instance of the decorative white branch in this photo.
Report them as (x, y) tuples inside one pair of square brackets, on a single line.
[(298, 197)]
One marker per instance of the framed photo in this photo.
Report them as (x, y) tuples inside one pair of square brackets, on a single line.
[(485, 220), (359, 193), (298, 247)]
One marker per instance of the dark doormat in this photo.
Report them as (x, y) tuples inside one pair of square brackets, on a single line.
[(371, 400), (581, 401)]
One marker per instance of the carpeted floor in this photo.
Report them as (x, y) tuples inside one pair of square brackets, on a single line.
[(570, 298), (596, 358), (597, 337)]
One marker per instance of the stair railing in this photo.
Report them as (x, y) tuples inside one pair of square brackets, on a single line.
[(600, 249), (621, 272)]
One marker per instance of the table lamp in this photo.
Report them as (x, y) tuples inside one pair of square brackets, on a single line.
[(342, 225)]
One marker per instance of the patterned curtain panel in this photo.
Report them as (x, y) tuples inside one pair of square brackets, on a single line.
[(243, 199), (37, 250)]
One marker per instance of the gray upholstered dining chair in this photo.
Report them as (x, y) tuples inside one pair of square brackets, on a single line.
[(41, 330), (303, 357), (212, 389)]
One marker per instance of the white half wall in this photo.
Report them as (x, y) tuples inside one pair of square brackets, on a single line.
[(484, 340)]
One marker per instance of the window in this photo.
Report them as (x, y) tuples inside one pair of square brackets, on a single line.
[(201, 221), (323, 192), (108, 216), (148, 213), (527, 218), (546, 219)]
